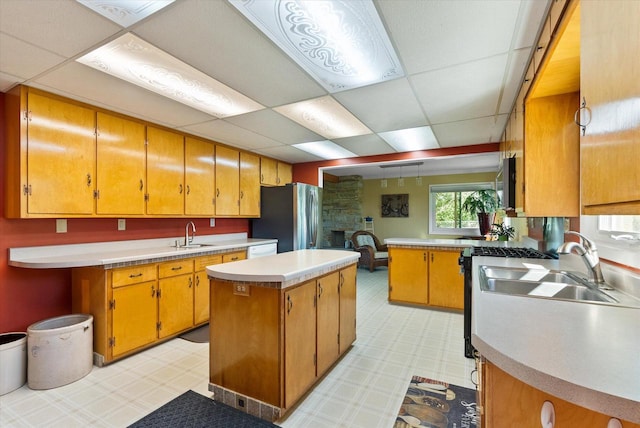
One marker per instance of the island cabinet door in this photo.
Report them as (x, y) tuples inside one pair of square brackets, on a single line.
[(134, 317), (347, 307), (446, 283), (300, 341), (328, 318), (408, 275)]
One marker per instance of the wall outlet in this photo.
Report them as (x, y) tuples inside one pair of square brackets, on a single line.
[(212, 222), (122, 224), (61, 225)]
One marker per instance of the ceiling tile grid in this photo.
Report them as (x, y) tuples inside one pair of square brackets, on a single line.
[(464, 61)]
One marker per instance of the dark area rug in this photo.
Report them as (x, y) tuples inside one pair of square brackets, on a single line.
[(199, 335), (437, 404), (194, 410)]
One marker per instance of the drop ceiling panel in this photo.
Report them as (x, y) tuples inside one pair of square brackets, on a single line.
[(434, 34), (515, 73), (470, 132), (275, 126), (218, 41), (25, 60), (7, 81), (531, 14), (384, 107), (461, 92), (228, 133), (61, 26), (365, 145), (289, 154), (85, 84)]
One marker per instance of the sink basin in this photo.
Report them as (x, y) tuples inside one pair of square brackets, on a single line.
[(540, 283), (187, 247)]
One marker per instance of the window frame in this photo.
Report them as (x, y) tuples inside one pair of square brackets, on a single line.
[(625, 252), (454, 187)]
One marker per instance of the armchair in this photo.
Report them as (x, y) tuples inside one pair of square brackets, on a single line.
[(372, 252)]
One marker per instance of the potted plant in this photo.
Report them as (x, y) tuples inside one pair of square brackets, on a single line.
[(502, 231), (483, 203)]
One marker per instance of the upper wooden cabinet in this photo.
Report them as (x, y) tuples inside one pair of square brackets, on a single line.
[(50, 156), (199, 172), (610, 87), (121, 166), (274, 173), (227, 181), (165, 172), (249, 185)]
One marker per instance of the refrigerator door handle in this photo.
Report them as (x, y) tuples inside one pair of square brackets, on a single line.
[(312, 220)]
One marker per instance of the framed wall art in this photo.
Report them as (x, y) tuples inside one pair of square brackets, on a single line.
[(395, 205)]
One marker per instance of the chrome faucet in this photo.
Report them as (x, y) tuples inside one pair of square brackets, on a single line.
[(589, 253), (189, 239)]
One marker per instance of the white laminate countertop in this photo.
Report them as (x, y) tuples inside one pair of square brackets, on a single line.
[(285, 268), (420, 242), (122, 253), (585, 353)]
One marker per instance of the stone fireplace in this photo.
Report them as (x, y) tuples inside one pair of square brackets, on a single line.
[(341, 210)]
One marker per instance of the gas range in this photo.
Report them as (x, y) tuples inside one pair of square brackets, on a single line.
[(465, 261)]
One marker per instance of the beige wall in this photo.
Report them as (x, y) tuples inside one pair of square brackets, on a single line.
[(417, 224)]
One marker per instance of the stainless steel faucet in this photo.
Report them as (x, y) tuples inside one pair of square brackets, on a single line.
[(589, 253), (189, 239)]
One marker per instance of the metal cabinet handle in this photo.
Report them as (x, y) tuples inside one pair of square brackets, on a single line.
[(88, 180), (320, 290), (180, 191), (153, 291), (217, 193), (188, 189), (289, 304), (190, 282), (197, 280), (576, 116), (176, 268), (135, 275), (141, 185)]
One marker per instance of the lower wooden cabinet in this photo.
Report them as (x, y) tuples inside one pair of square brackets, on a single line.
[(135, 307), (509, 402), (426, 277), (284, 338)]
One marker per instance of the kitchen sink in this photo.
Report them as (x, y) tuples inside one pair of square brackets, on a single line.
[(190, 246), (541, 283)]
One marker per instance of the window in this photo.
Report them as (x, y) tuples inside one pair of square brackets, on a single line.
[(446, 216), (617, 237), (619, 224)]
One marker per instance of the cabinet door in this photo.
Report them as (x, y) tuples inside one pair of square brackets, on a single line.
[(165, 172), (408, 275), (328, 319), (134, 317), (201, 287), (61, 157), (227, 181), (175, 304), (199, 172), (249, 185), (300, 341), (268, 171), (347, 307), (285, 173), (120, 166), (446, 283), (610, 148)]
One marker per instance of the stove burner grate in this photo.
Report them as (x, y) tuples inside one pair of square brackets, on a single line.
[(508, 252)]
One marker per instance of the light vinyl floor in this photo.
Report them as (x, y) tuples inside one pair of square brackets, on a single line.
[(365, 389)]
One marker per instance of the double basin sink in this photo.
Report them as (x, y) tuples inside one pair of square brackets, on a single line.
[(542, 283)]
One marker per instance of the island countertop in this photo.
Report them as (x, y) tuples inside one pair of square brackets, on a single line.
[(284, 268), (585, 353)]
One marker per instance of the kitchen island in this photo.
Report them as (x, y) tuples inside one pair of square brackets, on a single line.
[(278, 324)]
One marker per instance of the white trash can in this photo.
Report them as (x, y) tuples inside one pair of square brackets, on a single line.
[(59, 351), (13, 361)]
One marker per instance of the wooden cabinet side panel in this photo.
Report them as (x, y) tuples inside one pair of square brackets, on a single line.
[(120, 178), (245, 340), (347, 307), (328, 321), (90, 293), (408, 275)]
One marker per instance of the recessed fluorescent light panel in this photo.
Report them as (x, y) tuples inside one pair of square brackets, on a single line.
[(324, 116), (340, 43), (136, 61), (325, 150), (407, 140), (125, 12)]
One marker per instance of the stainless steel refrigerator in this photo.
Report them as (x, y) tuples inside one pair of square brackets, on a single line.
[(292, 214)]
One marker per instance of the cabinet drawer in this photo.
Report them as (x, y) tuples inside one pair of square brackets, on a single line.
[(233, 257), (175, 267), (133, 275), (204, 261)]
